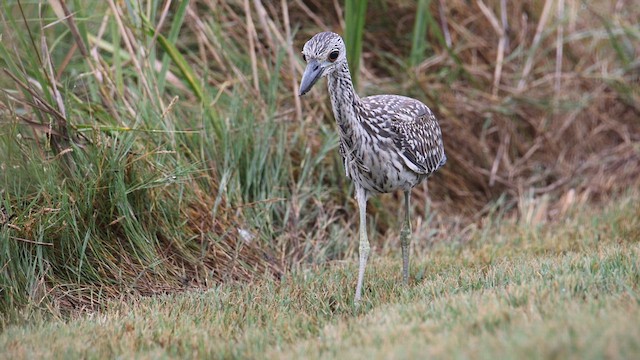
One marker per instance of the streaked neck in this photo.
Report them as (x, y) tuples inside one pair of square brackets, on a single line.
[(344, 99)]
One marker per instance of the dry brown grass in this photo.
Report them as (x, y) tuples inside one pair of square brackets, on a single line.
[(539, 104)]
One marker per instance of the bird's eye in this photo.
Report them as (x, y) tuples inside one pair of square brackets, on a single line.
[(304, 58), (333, 56)]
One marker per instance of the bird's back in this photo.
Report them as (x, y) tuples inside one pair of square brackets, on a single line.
[(394, 107)]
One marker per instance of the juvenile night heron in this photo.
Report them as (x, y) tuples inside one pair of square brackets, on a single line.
[(387, 142)]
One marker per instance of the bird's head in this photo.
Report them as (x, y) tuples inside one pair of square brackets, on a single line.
[(324, 52)]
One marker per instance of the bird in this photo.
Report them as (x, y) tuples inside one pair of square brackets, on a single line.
[(387, 142)]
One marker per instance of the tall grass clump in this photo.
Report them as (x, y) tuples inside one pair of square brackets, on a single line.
[(131, 164)]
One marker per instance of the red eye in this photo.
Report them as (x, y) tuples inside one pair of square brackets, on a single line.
[(333, 56)]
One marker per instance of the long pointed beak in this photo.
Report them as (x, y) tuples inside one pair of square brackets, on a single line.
[(312, 73)]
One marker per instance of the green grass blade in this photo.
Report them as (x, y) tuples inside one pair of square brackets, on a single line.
[(419, 40), (174, 31), (355, 14), (183, 66)]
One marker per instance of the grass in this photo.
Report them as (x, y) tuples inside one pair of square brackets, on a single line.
[(355, 14), (566, 289), (152, 189), (154, 154)]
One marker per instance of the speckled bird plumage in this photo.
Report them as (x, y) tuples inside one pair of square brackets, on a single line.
[(397, 143), (388, 142)]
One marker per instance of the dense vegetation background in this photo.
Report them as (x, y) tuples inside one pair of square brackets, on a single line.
[(157, 146)]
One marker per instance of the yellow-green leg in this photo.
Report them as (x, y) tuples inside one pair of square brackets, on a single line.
[(405, 239), (361, 197)]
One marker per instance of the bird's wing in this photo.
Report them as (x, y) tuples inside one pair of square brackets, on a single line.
[(412, 127), (419, 142)]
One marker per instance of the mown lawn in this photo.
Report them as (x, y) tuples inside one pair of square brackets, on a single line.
[(562, 289)]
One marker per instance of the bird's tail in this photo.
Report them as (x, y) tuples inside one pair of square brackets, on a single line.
[(443, 160)]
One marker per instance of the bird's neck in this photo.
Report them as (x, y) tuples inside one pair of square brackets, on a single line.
[(344, 100)]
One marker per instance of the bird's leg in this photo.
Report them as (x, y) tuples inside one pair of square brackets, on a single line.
[(361, 197), (405, 239)]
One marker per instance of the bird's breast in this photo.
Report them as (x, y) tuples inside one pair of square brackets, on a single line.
[(372, 163)]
